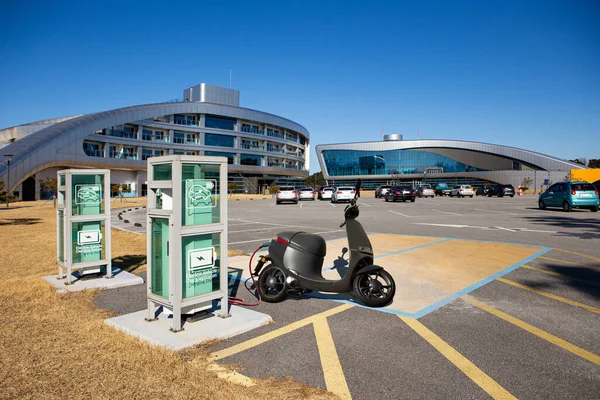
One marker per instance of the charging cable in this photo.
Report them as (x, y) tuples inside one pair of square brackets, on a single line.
[(238, 301)]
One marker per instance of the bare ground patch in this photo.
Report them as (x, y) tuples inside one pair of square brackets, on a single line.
[(57, 346)]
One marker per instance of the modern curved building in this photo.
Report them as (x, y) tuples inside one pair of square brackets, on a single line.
[(262, 148), (437, 161)]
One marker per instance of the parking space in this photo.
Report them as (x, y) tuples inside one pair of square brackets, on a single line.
[(537, 339), (495, 298)]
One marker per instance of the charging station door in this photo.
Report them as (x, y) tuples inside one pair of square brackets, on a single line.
[(160, 257)]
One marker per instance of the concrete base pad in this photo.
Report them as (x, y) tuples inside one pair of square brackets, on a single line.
[(120, 279), (212, 328)]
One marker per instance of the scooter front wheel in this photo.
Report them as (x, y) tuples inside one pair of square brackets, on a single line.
[(272, 284), (374, 289)]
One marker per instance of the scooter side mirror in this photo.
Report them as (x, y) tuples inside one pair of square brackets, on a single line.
[(344, 251)]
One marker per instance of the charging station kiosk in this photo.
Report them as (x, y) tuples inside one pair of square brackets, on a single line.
[(83, 228), (186, 235)]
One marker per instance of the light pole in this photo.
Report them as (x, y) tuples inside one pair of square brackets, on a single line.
[(7, 156)]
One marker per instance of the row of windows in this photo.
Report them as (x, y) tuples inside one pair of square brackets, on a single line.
[(130, 153), (390, 162), (210, 139), (210, 121)]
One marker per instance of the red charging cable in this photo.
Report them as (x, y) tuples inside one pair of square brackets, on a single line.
[(237, 301)]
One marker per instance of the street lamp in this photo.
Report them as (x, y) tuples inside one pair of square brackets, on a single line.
[(8, 158)]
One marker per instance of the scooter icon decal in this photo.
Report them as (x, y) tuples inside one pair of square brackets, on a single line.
[(88, 194), (199, 193)]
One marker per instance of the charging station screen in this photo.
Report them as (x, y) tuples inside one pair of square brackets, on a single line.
[(200, 264)]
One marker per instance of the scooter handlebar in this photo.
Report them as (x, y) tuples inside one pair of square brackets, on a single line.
[(342, 224)]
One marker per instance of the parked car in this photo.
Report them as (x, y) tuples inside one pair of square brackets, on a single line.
[(569, 195), (325, 192), (425, 191), (343, 193), (442, 189), (481, 191), (501, 191), (306, 194), (401, 193), (381, 190), (286, 193), (462, 191)]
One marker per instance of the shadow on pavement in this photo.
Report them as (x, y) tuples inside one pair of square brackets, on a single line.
[(591, 225), (585, 279), (129, 263)]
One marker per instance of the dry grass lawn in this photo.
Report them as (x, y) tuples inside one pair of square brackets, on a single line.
[(57, 346)]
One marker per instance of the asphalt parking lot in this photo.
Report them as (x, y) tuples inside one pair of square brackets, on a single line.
[(530, 333)]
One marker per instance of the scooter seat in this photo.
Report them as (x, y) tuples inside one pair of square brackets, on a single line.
[(309, 243)]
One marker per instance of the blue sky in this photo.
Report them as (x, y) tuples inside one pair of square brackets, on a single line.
[(516, 73)]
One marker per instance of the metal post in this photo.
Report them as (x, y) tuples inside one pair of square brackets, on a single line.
[(8, 156)]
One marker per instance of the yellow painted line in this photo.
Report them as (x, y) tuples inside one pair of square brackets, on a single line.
[(335, 381), (461, 362), (557, 260), (551, 296), (277, 332), (536, 331), (545, 271), (578, 254)]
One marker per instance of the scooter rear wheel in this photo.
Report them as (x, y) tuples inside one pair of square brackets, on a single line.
[(375, 289), (272, 284)]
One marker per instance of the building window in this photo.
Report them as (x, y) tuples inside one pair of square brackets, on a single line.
[(178, 138), (147, 153), (93, 149), (249, 159), (191, 138), (230, 156), (146, 134), (249, 128), (212, 121), (188, 120), (211, 139), (275, 133), (126, 132)]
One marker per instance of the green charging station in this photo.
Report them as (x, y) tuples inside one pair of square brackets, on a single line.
[(186, 235), (83, 222)]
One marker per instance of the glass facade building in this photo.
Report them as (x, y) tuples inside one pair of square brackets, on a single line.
[(415, 162), (388, 162)]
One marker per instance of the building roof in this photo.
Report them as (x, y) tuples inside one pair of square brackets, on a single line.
[(42, 149)]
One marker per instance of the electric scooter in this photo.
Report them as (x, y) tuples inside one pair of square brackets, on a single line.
[(295, 260)]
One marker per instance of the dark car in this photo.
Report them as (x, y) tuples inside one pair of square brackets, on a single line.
[(482, 191), (382, 190), (442, 189), (501, 191), (401, 193)]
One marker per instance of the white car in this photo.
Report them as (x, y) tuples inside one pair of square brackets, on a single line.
[(462, 191), (286, 193), (306, 194), (345, 193), (326, 193)]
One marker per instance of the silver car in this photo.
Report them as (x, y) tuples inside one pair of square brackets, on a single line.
[(286, 193), (425, 191), (462, 191), (306, 194)]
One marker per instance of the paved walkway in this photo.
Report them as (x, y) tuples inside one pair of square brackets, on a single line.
[(132, 219)]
